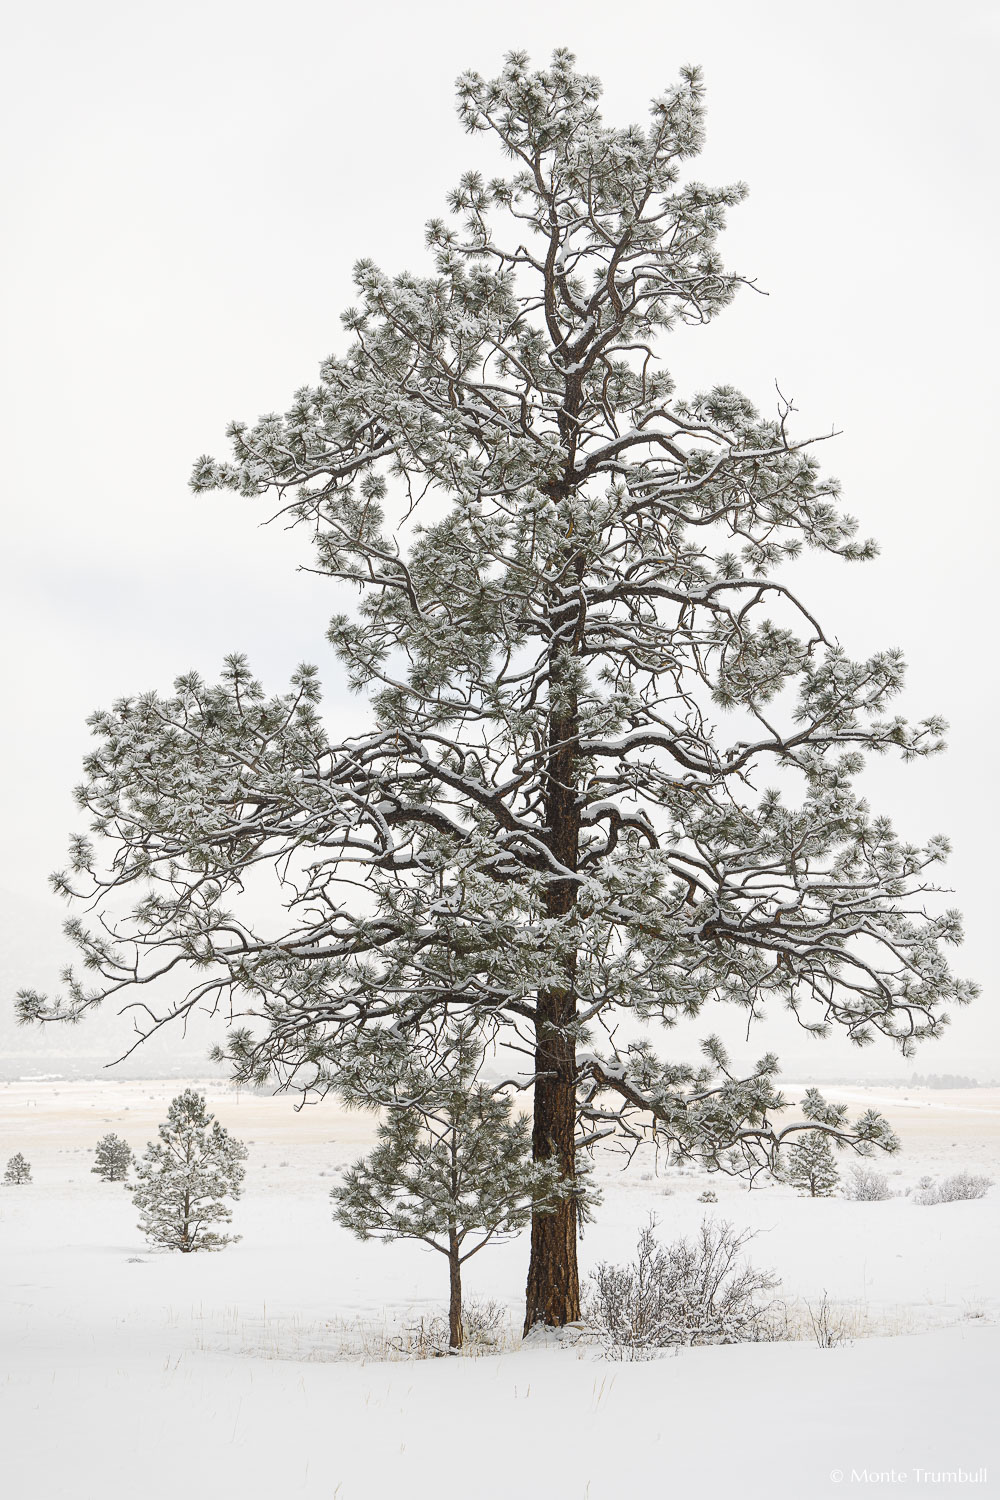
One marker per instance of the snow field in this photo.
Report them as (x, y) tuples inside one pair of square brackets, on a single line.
[(131, 1372)]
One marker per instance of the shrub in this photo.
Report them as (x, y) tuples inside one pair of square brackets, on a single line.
[(829, 1327), (707, 1197), (682, 1293), (955, 1189), (484, 1321), (867, 1186)]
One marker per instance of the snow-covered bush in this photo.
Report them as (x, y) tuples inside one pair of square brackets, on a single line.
[(112, 1158), (865, 1185), (18, 1170), (707, 1196), (185, 1177), (484, 1321), (964, 1185), (954, 1189), (682, 1293), (811, 1166)]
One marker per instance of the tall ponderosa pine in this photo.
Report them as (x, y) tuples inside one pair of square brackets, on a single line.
[(184, 1178), (452, 1166), (610, 764)]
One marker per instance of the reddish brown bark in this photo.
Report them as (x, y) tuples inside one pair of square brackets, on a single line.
[(553, 1290)]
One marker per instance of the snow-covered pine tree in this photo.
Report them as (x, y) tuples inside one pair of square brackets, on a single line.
[(452, 1166), (112, 1158), (811, 1166), (18, 1170), (611, 757), (185, 1177)]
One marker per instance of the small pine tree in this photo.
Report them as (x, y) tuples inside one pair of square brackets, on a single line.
[(18, 1170), (112, 1158), (451, 1168), (186, 1175), (811, 1165)]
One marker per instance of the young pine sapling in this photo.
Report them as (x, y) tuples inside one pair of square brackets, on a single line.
[(112, 1158), (811, 1166), (18, 1170), (185, 1177), (452, 1168)]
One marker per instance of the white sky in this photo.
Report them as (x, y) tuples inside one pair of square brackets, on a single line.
[(186, 188)]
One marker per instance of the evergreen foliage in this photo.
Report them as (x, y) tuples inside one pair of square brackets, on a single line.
[(452, 1167), (17, 1170), (611, 760), (112, 1158), (186, 1176), (811, 1166)]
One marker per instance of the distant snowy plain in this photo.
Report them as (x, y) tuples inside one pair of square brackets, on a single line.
[(127, 1372)]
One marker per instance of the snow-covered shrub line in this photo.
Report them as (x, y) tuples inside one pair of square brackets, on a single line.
[(954, 1189)]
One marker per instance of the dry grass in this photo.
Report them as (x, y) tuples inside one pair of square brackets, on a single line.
[(364, 1340), (830, 1321), (416, 1335)]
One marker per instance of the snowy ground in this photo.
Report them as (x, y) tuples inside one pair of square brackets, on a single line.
[(131, 1373)]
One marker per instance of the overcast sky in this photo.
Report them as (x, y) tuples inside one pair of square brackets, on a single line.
[(186, 188)]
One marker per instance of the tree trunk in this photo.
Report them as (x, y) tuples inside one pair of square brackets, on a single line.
[(455, 1335), (553, 1292)]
